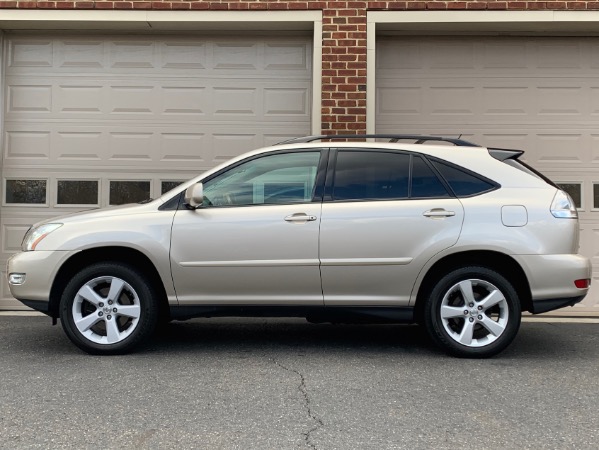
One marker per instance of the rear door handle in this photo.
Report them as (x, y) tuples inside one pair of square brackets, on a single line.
[(299, 218), (438, 212)]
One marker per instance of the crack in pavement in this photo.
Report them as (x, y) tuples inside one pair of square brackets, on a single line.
[(302, 388)]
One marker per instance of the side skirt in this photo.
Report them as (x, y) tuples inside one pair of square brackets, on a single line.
[(314, 314)]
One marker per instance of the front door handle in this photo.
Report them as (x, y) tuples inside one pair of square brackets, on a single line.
[(438, 213), (300, 218)]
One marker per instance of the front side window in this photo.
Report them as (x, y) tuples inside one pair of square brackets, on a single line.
[(274, 179)]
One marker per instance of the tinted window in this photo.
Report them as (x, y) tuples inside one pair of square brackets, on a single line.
[(272, 179), (26, 191), (77, 192), (371, 175), (462, 183), (123, 192), (425, 183)]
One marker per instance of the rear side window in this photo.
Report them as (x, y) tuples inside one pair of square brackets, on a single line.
[(463, 184), (425, 183), (371, 175)]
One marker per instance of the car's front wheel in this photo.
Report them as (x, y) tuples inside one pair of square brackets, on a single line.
[(108, 308), (473, 312)]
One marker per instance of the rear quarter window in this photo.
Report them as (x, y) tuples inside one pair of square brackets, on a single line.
[(462, 182)]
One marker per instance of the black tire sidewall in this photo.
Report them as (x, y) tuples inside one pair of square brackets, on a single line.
[(148, 304), (434, 323)]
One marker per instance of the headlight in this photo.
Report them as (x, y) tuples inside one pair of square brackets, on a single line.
[(35, 235)]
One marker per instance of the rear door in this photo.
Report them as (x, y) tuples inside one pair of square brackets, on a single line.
[(384, 215)]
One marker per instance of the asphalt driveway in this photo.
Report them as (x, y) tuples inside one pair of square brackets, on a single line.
[(287, 384)]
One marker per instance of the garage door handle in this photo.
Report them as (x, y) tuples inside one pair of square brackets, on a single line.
[(438, 212), (300, 217)]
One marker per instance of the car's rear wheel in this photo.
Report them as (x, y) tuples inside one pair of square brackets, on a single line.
[(473, 312), (108, 308)]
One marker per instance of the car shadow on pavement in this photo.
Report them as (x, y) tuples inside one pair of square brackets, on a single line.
[(538, 340), (217, 335), (535, 340)]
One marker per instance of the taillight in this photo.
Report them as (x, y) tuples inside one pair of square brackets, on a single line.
[(582, 284), (563, 206)]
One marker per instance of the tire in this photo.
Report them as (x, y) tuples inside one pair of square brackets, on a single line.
[(472, 312), (108, 308)]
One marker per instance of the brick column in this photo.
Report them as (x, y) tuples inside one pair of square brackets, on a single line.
[(344, 68)]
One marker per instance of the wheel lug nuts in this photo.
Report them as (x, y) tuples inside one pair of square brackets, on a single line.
[(109, 317), (480, 317), (100, 314), (471, 319), (466, 312), (101, 305), (480, 308), (114, 310), (110, 302), (471, 305)]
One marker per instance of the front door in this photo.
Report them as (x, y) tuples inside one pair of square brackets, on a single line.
[(255, 239)]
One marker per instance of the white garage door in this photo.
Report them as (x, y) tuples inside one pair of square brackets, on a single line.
[(538, 94), (95, 120)]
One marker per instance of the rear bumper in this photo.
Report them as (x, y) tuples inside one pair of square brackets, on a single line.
[(551, 279), (541, 306)]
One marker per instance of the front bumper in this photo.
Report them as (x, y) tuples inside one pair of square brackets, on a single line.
[(40, 269)]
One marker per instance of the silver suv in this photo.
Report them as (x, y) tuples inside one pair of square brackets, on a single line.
[(457, 237)]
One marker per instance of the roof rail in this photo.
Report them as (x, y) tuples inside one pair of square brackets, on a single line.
[(391, 137)]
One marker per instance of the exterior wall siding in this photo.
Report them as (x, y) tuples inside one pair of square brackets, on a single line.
[(344, 47)]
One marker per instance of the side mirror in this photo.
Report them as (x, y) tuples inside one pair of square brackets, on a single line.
[(194, 196)]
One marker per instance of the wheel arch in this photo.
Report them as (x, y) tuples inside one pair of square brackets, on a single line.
[(115, 254), (500, 262)]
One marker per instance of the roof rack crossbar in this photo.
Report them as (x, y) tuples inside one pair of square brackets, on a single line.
[(419, 139)]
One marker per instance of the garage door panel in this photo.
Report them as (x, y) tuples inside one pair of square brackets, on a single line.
[(489, 100), (29, 98), (194, 56), (505, 56), (78, 99), (28, 54), (117, 100), (78, 146), (141, 146), (26, 144), (12, 234), (539, 94), (92, 120)]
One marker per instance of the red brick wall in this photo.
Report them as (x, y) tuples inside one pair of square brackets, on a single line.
[(344, 38)]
